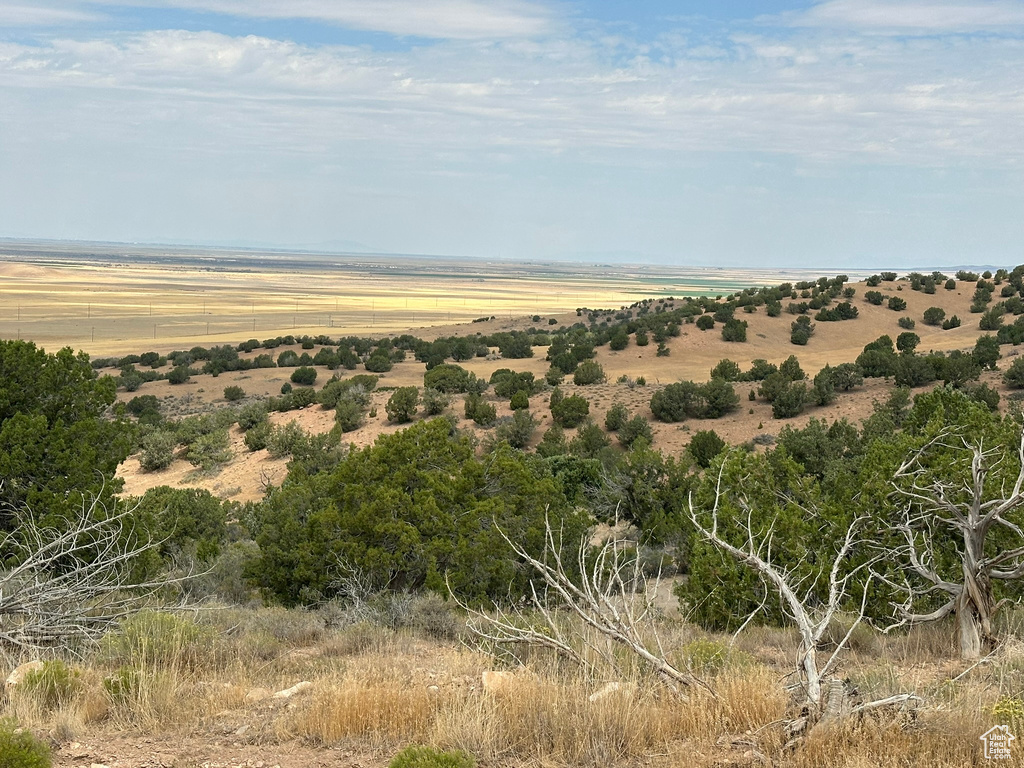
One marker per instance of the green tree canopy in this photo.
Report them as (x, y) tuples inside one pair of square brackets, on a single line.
[(407, 511), (54, 444)]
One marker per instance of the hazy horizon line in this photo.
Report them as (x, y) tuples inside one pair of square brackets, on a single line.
[(311, 249)]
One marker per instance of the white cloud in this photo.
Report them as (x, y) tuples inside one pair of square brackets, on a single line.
[(886, 101), (446, 19), (884, 98), (806, 93), (913, 15), (460, 144), (15, 15)]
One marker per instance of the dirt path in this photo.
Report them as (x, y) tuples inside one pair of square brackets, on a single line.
[(204, 751)]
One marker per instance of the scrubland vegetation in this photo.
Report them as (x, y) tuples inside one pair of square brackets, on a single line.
[(835, 594), (397, 677)]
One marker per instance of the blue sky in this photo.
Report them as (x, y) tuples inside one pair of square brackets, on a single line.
[(835, 134)]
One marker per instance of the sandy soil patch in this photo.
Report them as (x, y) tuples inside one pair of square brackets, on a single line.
[(120, 750)]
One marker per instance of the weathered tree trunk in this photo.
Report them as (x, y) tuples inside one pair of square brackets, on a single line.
[(970, 633), (840, 700), (812, 677), (834, 703), (975, 605), (975, 610)]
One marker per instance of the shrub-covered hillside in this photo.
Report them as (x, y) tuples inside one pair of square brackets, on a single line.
[(853, 511)]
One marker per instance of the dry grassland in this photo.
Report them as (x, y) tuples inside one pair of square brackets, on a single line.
[(115, 307), (187, 691)]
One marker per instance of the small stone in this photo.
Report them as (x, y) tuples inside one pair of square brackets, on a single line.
[(78, 751), (496, 681), (623, 689), (287, 693), (20, 671)]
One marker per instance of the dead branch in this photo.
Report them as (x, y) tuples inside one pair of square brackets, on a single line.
[(513, 626), (812, 624), (611, 596), (826, 696), (68, 582)]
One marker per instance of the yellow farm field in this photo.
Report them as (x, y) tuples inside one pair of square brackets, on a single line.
[(115, 307)]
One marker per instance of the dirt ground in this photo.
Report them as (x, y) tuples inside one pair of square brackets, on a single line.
[(116, 750)]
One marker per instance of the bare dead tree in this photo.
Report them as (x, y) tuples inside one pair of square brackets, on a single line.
[(359, 594), (824, 695), (933, 503), (69, 582), (352, 585), (266, 481), (611, 596)]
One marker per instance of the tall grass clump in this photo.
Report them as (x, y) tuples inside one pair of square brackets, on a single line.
[(20, 749), (561, 722), (158, 639), (382, 714), (157, 661), (428, 757), (53, 686)]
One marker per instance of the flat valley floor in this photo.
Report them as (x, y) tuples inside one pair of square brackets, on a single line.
[(111, 300)]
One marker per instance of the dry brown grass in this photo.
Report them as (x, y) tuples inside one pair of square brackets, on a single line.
[(382, 714), (872, 743), (377, 689), (535, 717)]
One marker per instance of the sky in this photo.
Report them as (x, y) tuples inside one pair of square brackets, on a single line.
[(745, 133)]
